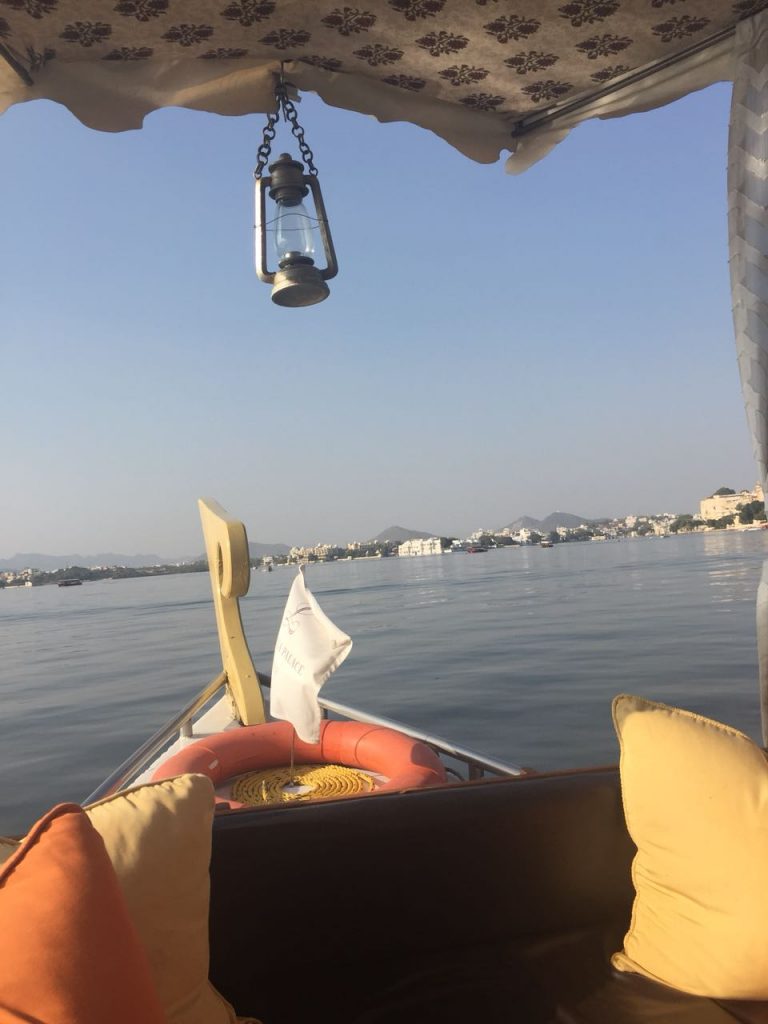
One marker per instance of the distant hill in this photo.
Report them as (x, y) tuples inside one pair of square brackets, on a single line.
[(34, 560), (257, 550), (523, 523), (552, 522), (398, 534)]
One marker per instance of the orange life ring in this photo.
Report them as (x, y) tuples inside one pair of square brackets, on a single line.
[(406, 763)]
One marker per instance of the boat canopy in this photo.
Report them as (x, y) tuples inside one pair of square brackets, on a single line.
[(488, 77)]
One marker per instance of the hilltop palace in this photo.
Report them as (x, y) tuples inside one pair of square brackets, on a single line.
[(721, 505)]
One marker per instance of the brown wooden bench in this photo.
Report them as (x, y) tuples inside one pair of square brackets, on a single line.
[(493, 901)]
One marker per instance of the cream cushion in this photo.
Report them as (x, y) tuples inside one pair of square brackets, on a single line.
[(158, 838), (695, 796)]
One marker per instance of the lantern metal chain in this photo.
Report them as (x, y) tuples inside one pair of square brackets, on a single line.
[(285, 107), (266, 143), (290, 115)]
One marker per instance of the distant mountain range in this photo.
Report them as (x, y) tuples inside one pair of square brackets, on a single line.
[(553, 521), (258, 550), (394, 534), (49, 563), (34, 560)]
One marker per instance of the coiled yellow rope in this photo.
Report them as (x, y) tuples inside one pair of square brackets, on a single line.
[(325, 780)]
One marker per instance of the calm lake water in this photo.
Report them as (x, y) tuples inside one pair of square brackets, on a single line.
[(516, 652)]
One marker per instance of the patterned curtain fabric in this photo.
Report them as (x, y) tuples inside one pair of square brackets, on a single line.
[(465, 69), (714, 64), (748, 241)]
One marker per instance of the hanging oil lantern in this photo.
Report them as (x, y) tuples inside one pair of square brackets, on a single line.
[(289, 229)]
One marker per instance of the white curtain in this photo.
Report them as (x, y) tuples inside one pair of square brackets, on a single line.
[(748, 242)]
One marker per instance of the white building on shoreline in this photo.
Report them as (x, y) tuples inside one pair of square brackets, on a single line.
[(420, 546)]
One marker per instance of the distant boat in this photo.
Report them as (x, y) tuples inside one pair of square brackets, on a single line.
[(70, 583), (545, 544), (476, 549)]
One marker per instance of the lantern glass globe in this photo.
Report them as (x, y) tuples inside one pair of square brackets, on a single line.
[(294, 236)]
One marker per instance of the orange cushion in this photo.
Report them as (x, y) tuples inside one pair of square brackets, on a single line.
[(158, 837), (68, 950)]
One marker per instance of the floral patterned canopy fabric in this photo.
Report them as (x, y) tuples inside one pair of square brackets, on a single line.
[(467, 69)]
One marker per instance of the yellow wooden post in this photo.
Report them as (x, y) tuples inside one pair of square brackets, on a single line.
[(226, 546)]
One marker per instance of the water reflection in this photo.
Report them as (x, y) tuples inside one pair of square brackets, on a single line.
[(729, 566), (732, 583), (722, 542)]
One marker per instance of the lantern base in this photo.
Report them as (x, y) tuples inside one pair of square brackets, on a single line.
[(300, 285)]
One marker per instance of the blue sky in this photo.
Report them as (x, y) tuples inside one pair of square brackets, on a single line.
[(493, 345)]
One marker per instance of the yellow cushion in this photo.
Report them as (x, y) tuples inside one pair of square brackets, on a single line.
[(158, 838), (695, 797)]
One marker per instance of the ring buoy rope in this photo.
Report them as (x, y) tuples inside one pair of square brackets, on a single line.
[(304, 783), (406, 763)]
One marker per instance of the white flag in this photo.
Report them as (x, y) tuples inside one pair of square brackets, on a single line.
[(309, 649)]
